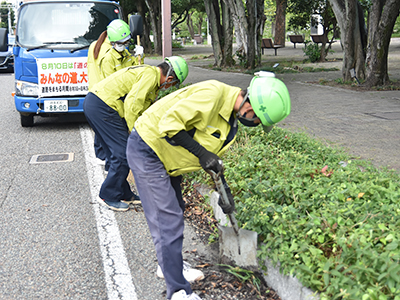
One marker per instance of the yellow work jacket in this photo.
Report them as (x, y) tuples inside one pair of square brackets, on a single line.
[(130, 91), (93, 65), (113, 61), (204, 108)]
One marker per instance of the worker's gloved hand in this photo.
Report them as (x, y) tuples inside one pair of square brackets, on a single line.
[(210, 161), (207, 159), (138, 50)]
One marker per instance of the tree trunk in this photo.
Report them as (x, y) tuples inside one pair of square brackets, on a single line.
[(280, 20), (200, 25), (381, 23), (145, 38), (221, 31), (347, 15), (154, 7), (189, 23), (248, 30), (259, 30), (251, 38), (241, 28)]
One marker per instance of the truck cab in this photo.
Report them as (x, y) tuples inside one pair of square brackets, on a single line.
[(50, 54)]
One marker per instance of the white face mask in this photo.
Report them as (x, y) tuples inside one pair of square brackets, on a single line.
[(119, 47)]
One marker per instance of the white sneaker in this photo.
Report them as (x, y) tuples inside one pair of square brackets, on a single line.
[(100, 162), (181, 295), (191, 275)]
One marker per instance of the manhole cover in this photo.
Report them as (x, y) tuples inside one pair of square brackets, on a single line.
[(51, 158), (392, 115)]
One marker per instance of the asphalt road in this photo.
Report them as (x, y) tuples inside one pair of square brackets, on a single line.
[(56, 241)]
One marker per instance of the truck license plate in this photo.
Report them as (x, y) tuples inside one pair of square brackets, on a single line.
[(55, 105)]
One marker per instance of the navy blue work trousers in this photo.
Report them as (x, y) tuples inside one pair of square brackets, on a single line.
[(163, 205), (112, 133)]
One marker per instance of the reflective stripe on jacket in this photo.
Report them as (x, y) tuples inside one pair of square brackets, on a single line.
[(204, 108), (130, 91)]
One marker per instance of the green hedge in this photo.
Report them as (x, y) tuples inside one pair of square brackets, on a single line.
[(330, 220)]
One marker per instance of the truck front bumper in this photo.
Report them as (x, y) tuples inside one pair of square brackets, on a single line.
[(29, 105)]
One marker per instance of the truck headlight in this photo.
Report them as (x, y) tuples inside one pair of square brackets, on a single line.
[(23, 88)]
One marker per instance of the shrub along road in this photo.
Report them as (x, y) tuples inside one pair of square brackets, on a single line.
[(363, 122)]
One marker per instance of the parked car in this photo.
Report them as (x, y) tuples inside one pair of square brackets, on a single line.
[(6, 57)]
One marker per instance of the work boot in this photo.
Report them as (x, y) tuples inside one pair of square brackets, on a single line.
[(191, 275), (115, 205), (181, 295)]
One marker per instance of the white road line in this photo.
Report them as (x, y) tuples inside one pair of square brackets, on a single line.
[(117, 273)]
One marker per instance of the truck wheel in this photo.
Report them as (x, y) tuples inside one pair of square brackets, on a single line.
[(26, 120)]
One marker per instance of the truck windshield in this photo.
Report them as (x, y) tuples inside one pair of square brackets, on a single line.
[(63, 24)]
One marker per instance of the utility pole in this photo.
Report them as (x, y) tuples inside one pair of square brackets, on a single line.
[(166, 28)]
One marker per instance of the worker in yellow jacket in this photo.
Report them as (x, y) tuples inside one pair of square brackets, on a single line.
[(107, 55), (118, 57), (112, 107), (183, 132)]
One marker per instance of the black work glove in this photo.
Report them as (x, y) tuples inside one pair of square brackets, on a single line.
[(210, 161), (207, 159)]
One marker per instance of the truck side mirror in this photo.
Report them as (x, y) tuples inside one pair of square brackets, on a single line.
[(3, 40), (136, 25)]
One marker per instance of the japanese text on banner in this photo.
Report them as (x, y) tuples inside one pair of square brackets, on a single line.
[(62, 76)]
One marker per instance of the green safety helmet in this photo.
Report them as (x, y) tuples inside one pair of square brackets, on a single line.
[(270, 100), (179, 66), (118, 31)]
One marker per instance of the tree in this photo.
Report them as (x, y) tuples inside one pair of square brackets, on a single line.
[(248, 19), (184, 9), (150, 10), (189, 23), (348, 14), (221, 30), (270, 16), (194, 23), (144, 13), (382, 17), (154, 8), (140, 7), (280, 22), (6, 8)]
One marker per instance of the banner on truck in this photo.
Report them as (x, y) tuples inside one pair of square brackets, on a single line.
[(62, 76)]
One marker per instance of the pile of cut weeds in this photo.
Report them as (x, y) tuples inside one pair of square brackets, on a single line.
[(218, 283)]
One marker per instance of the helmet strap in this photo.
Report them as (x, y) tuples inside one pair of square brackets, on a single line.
[(171, 82), (239, 116), (169, 73)]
